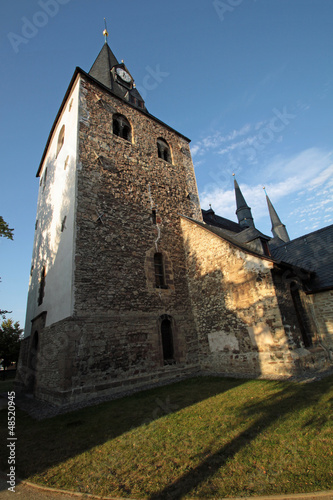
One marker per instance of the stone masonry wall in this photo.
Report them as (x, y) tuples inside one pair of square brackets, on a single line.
[(240, 327), (322, 304), (117, 306), (79, 359)]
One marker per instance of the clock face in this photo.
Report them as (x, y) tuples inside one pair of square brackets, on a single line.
[(123, 75)]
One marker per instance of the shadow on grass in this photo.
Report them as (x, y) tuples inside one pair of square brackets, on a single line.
[(46, 443), (293, 398)]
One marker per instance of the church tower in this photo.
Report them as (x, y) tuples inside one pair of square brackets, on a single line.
[(108, 303)]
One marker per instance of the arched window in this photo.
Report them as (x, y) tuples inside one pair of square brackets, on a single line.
[(41, 286), (159, 271), (163, 150), (167, 341), (121, 127), (61, 139)]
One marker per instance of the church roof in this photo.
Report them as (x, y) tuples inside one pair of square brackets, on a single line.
[(313, 251), (240, 200), (104, 71), (250, 234), (212, 219), (243, 211), (275, 219), (101, 69)]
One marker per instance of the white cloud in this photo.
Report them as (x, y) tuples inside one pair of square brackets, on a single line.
[(195, 149), (305, 178)]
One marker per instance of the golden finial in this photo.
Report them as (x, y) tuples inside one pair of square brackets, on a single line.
[(105, 32)]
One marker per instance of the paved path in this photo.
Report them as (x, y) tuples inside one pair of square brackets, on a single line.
[(28, 491)]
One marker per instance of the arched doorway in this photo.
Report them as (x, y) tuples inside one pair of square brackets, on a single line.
[(167, 340)]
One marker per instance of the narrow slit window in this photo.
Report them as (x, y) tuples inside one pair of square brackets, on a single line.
[(63, 224), (61, 139), (44, 179), (167, 342), (41, 287), (159, 270), (66, 162)]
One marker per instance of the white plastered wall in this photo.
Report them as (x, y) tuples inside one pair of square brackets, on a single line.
[(55, 231)]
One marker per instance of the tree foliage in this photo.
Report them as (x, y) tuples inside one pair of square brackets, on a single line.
[(5, 230), (10, 337)]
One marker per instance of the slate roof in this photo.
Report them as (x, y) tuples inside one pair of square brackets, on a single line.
[(104, 62), (313, 251), (212, 219), (101, 71), (250, 234)]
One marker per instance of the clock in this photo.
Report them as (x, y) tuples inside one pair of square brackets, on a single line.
[(124, 75)]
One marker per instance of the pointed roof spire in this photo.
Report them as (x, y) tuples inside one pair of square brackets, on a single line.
[(278, 229), (243, 211), (105, 61), (115, 76)]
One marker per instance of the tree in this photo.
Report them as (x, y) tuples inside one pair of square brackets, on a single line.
[(5, 230), (10, 337)]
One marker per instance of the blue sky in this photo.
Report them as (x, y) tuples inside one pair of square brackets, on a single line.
[(248, 81)]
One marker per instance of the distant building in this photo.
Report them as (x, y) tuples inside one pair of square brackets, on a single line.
[(132, 283)]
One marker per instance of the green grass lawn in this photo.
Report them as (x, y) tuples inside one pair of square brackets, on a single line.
[(205, 437)]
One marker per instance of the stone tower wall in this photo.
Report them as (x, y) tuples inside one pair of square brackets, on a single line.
[(117, 309)]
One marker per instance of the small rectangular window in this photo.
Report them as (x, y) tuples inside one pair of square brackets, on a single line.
[(159, 270), (41, 287), (63, 224)]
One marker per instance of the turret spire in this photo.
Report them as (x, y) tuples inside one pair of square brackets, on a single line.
[(278, 229), (243, 211)]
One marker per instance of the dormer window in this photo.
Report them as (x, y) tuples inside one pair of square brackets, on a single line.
[(121, 127), (265, 247), (163, 150), (61, 139)]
